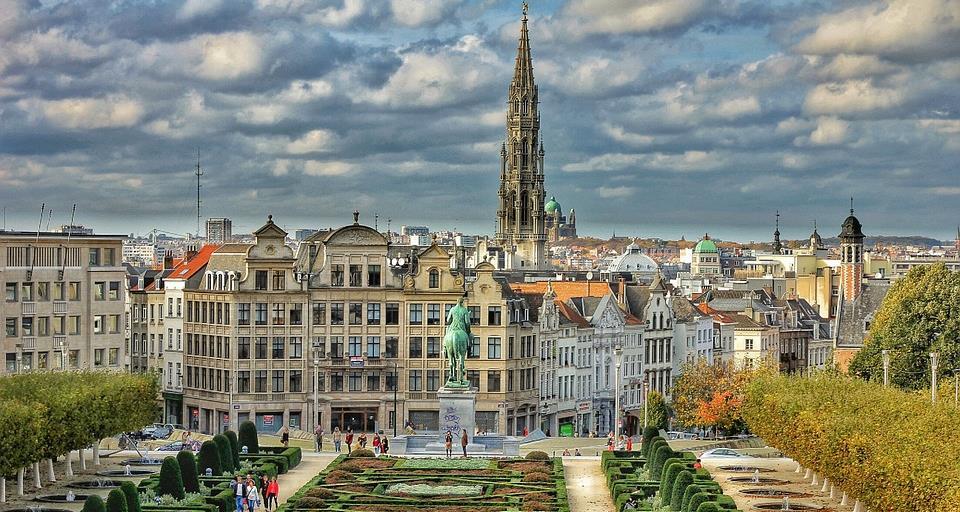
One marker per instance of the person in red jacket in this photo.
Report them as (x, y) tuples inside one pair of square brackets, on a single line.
[(349, 439), (273, 492)]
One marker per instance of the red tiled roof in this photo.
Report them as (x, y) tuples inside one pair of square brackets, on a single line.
[(565, 289), (717, 315), (571, 314), (186, 269)]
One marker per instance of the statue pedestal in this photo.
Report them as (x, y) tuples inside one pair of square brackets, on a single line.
[(458, 413)]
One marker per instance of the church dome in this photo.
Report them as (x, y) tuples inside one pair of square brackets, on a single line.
[(632, 260), (552, 205), (705, 245), (851, 227)]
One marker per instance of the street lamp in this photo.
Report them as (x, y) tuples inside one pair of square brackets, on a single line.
[(886, 368), (646, 395), (933, 376), (316, 381), (396, 385), (956, 387), (617, 352)]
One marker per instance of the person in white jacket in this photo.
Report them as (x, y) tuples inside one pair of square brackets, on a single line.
[(253, 497)]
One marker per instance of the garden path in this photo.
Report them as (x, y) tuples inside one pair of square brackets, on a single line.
[(586, 487), (291, 481)]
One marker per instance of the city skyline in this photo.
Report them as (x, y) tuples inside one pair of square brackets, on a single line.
[(660, 118)]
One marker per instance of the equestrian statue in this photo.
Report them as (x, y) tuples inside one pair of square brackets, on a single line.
[(455, 342)]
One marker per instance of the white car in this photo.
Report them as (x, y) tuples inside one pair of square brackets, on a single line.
[(722, 453)]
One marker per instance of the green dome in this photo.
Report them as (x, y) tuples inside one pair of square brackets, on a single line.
[(552, 205), (705, 245)]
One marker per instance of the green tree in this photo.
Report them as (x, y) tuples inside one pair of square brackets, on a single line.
[(188, 471), (711, 395), (248, 437), (133, 495), (116, 501), (657, 411), (234, 447), (226, 455), (918, 316), (209, 458), (171, 481), (94, 503)]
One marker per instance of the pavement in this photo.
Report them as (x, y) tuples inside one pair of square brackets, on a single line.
[(311, 464), (586, 487)]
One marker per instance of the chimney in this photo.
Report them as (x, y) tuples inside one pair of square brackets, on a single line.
[(191, 252), (167, 260), (622, 294)]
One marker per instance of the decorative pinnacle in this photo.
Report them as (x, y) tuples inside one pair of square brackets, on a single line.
[(356, 216), (851, 205), (524, 6)]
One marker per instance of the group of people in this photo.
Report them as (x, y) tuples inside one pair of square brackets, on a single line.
[(251, 493), (448, 443), (621, 443), (380, 442)]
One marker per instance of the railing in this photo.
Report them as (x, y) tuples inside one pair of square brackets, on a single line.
[(59, 307), (29, 343), (59, 341), (29, 308)]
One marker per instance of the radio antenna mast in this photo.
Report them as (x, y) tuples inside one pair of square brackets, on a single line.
[(199, 173)]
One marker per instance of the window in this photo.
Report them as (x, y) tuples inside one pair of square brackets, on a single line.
[(243, 381), (109, 257), (356, 313), (336, 346), (392, 347), (11, 292), (493, 315), (321, 380), (99, 291), (416, 380), (43, 326), (296, 314), (43, 292), (260, 280), (11, 327), (433, 380), (319, 346), (260, 382), (416, 346), (243, 313), (355, 381), (243, 347), (58, 292), (278, 347), (336, 314), (473, 349), (433, 346), (170, 306), (509, 380), (98, 324), (73, 325), (493, 347), (373, 381), (296, 381), (113, 324), (73, 292), (336, 275), (391, 381), (748, 344), (416, 314), (279, 279), (434, 280), (278, 381), (510, 347), (261, 348), (356, 272), (336, 381), (373, 347), (319, 313), (393, 314), (296, 348), (94, 257), (98, 357), (278, 314), (113, 357), (474, 315), (474, 377), (355, 345), (261, 313), (26, 326), (433, 314), (493, 381), (373, 313)]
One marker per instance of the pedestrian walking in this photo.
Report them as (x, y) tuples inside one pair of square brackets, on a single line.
[(448, 442), (337, 439), (463, 443), (239, 492), (318, 433), (263, 482), (285, 437), (362, 441), (349, 439), (273, 493), (253, 495), (376, 444), (384, 445), (629, 443)]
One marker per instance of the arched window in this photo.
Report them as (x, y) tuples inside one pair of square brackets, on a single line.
[(524, 208), (434, 278)]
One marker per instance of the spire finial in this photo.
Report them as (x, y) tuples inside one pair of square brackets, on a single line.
[(524, 6), (778, 220), (356, 216), (270, 218), (851, 205)]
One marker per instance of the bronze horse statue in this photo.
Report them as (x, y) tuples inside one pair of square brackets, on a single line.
[(455, 342)]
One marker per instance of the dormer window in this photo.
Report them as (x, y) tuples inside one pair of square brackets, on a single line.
[(434, 279)]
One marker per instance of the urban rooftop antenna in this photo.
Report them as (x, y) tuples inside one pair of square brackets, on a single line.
[(198, 173)]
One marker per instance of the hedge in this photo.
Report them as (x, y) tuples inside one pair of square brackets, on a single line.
[(234, 447), (248, 437), (116, 501), (684, 479), (188, 471), (133, 496), (209, 458), (94, 503), (892, 450), (171, 481), (223, 449)]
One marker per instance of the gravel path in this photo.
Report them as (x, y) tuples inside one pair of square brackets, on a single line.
[(586, 488)]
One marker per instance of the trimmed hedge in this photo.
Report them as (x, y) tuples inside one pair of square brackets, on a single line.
[(248, 437), (133, 496), (361, 452), (209, 458), (188, 471), (171, 481), (537, 455), (116, 501), (234, 447), (94, 503), (684, 479), (223, 449)]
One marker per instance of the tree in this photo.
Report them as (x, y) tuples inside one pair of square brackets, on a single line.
[(116, 501), (226, 455), (234, 447), (209, 458), (918, 316), (171, 481), (248, 437), (188, 471), (94, 503), (657, 411), (133, 496), (722, 411), (711, 395)]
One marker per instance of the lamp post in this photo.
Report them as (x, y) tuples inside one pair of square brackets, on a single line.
[(956, 387), (646, 395), (886, 368), (396, 385), (316, 380), (617, 352), (933, 376)]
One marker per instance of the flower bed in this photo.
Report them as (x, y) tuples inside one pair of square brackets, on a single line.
[(434, 485)]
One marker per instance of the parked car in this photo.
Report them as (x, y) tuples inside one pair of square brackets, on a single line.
[(722, 453), (176, 446)]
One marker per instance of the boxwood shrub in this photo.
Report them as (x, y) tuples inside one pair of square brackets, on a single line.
[(248, 437), (94, 503), (171, 482), (116, 501), (209, 458), (188, 471), (684, 479), (223, 449), (234, 447)]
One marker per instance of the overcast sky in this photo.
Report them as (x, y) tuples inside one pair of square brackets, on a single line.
[(659, 117)]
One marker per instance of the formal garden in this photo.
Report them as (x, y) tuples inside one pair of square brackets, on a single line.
[(361, 482)]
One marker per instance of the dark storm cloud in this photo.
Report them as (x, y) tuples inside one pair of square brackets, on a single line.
[(659, 117)]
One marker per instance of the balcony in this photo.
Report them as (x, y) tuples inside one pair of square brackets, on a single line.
[(59, 341), (28, 308), (59, 307), (29, 343)]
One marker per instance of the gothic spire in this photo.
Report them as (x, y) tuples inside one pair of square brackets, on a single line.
[(523, 68), (777, 246)]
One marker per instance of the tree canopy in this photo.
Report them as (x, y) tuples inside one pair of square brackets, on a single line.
[(711, 395), (920, 314)]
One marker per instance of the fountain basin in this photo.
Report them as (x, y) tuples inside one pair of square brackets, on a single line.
[(773, 493), (123, 472), (61, 498), (100, 483), (776, 505), (744, 469), (763, 480), (143, 461)]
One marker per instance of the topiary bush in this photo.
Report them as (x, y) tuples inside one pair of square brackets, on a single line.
[(696, 500), (94, 503), (684, 479), (659, 458), (116, 501), (537, 455), (248, 437), (209, 457), (171, 481), (361, 452), (648, 434), (234, 447), (537, 477), (687, 495), (223, 448), (666, 483), (188, 471), (133, 496), (709, 507)]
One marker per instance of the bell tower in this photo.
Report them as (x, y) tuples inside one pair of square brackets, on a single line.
[(521, 230), (851, 257)]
